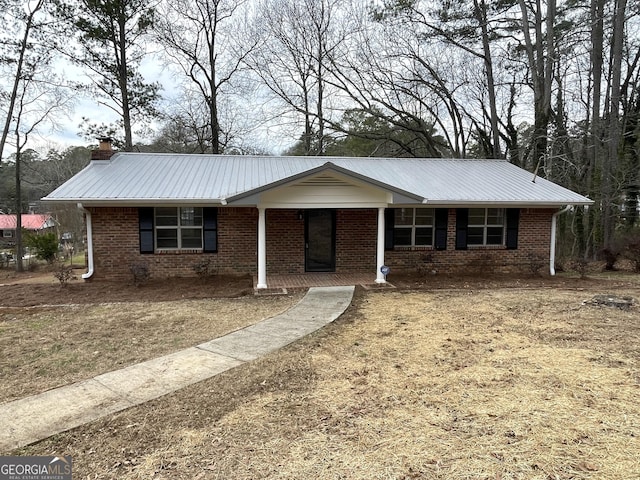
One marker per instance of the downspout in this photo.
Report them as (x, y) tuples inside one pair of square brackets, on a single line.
[(552, 250), (87, 213)]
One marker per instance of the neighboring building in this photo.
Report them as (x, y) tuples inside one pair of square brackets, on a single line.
[(280, 215), (37, 223)]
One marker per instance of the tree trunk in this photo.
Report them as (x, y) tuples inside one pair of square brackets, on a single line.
[(19, 249), (215, 123), (124, 86), (319, 104), (609, 170), (212, 74), (541, 69), (481, 15)]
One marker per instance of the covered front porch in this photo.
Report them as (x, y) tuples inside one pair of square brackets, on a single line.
[(303, 227), (345, 248)]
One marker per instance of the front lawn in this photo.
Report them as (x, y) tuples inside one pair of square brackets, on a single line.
[(466, 383), (44, 347)]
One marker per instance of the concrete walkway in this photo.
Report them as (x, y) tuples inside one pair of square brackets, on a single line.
[(33, 418)]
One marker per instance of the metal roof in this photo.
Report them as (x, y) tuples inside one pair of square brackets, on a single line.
[(144, 178), (29, 221)]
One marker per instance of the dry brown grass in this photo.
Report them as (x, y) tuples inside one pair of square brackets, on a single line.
[(46, 347), (460, 384)]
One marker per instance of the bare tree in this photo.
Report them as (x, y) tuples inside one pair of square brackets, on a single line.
[(539, 46), (456, 26), (202, 38), (35, 96), (614, 124), (299, 38), (20, 56), (394, 72), (37, 102)]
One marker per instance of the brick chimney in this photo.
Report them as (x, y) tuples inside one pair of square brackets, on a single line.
[(104, 150)]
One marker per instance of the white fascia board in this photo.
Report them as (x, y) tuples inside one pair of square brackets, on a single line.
[(333, 206), (136, 202), (493, 203)]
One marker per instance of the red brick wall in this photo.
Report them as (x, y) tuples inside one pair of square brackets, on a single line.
[(355, 241), (116, 245), (534, 237), (115, 241), (285, 242)]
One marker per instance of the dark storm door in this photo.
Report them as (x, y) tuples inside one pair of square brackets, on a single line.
[(320, 240)]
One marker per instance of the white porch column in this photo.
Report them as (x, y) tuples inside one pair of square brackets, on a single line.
[(380, 252), (262, 249)]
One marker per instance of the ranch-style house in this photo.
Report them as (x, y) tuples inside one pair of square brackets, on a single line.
[(265, 215)]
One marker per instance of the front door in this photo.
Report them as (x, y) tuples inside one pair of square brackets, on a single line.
[(320, 240)]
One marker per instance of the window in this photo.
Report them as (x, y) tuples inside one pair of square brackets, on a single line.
[(486, 226), (7, 233), (172, 228), (413, 227), (178, 228)]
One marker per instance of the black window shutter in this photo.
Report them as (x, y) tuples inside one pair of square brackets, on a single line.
[(513, 221), (145, 221), (462, 222), (442, 219), (389, 224), (210, 229)]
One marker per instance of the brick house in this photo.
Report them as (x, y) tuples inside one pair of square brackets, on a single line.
[(291, 215)]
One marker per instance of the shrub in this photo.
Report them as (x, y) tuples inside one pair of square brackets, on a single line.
[(140, 272), (202, 268), (5, 259), (536, 262), (581, 265), (632, 250), (426, 264), (45, 245), (610, 256), (63, 273)]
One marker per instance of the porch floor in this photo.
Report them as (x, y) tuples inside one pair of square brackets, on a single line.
[(320, 279)]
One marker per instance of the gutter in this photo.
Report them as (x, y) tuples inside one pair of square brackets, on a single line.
[(89, 274), (552, 250), (136, 202)]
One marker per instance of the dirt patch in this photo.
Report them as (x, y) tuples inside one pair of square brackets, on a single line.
[(490, 281), (42, 289), (449, 384)]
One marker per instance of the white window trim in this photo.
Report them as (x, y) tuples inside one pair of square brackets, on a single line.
[(485, 226), (413, 227), (178, 227), (7, 233)]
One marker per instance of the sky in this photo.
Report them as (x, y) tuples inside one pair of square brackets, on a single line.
[(268, 136), (68, 133)]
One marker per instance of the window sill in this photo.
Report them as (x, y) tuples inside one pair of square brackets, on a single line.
[(486, 247), (412, 249), (178, 251)]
